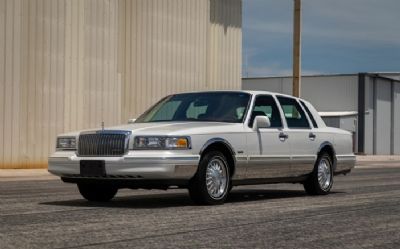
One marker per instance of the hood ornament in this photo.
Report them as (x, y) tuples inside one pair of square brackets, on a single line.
[(102, 126)]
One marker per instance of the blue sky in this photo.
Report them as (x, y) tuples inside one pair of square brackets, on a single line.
[(338, 36)]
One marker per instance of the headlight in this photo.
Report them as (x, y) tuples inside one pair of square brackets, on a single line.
[(161, 143), (66, 143)]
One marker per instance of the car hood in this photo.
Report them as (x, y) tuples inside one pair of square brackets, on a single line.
[(171, 128)]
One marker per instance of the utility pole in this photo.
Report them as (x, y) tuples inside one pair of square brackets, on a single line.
[(297, 48)]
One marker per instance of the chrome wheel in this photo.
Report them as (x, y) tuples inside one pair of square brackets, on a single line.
[(216, 178), (324, 174)]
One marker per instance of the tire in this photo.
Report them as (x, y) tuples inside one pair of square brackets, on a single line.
[(213, 166), (323, 168), (97, 192)]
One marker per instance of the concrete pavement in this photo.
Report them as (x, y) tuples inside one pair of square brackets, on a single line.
[(362, 212)]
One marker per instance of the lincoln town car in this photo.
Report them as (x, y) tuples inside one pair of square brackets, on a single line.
[(207, 142)]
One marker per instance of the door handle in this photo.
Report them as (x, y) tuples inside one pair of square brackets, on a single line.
[(283, 136), (312, 136)]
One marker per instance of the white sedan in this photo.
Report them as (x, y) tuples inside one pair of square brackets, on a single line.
[(207, 142)]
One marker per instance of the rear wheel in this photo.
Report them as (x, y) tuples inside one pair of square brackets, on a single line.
[(97, 192), (321, 179), (211, 183)]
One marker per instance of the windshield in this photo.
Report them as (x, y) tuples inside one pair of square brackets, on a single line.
[(207, 106)]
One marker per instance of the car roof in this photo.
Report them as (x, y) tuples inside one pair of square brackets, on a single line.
[(252, 92)]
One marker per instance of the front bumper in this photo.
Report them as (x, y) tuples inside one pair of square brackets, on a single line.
[(134, 165)]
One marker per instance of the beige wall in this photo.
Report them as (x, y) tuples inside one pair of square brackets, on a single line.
[(71, 64)]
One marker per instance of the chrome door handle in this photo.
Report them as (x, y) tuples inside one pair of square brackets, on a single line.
[(283, 136), (312, 136)]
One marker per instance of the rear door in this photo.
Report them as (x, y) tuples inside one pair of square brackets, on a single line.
[(301, 136), (268, 152)]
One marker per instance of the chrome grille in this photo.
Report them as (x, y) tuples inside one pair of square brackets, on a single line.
[(103, 143)]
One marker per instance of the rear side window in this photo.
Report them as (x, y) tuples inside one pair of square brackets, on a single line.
[(294, 114), (265, 105), (309, 114)]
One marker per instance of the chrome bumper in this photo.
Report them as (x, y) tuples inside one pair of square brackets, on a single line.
[(133, 165)]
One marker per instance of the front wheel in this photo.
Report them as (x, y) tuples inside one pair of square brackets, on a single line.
[(321, 179), (97, 192), (212, 182)]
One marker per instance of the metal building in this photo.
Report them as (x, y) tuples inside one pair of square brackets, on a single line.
[(367, 104), (71, 64)]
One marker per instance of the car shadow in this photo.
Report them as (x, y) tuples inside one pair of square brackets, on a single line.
[(168, 200)]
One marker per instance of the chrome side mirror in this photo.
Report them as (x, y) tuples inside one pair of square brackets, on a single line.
[(261, 122)]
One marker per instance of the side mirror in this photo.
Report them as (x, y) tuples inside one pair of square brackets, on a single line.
[(131, 121), (261, 122)]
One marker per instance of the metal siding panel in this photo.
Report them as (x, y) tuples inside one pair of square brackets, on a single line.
[(383, 117), (396, 119), (53, 75), (326, 93), (8, 89), (332, 121), (273, 84), (3, 28), (341, 92), (32, 27), (64, 65), (23, 110), (68, 50), (369, 116)]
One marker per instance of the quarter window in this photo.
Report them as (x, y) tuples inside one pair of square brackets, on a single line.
[(265, 106), (294, 115), (309, 114)]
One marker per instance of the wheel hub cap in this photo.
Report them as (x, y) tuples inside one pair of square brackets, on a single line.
[(324, 174), (216, 178)]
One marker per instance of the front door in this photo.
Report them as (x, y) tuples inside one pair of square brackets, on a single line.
[(268, 149)]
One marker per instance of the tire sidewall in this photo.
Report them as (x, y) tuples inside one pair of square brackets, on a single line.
[(200, 178)]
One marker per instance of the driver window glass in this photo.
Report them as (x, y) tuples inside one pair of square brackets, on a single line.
[(266, 106)]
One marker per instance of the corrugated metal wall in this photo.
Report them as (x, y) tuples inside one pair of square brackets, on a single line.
[(382, 116), (396, 119), (176, 46), (326, 93), (71, 64)]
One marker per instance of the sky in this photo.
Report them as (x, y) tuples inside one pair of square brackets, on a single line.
[(338, 36)]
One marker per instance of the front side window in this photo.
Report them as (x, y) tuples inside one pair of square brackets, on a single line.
[(206, 106), (265, 106), (294, 115)]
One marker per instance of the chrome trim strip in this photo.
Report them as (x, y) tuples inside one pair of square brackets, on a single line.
[(346, 157), (268, 158), (191, 158), (304, 158), (241, 158)]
